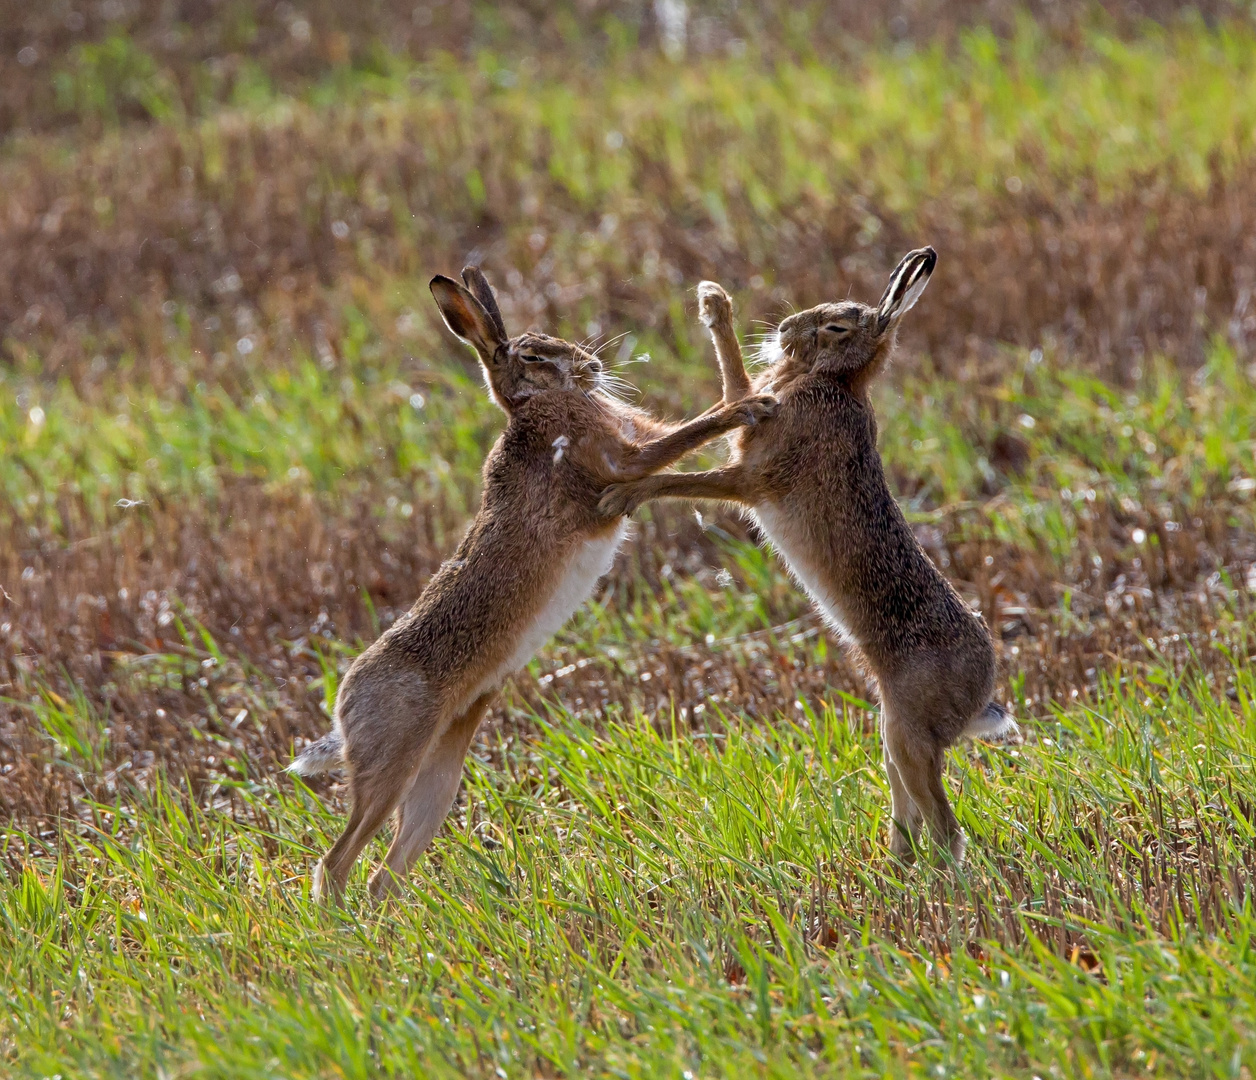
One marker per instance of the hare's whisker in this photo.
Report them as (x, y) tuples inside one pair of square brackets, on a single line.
[(639, 358), (608, 343), (618, 387)]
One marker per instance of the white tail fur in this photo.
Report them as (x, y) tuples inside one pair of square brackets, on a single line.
[(994, 724), (321, 756)]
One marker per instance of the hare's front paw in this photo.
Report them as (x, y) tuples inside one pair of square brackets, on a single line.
[(750, 410), (714, 306), (617, 500)]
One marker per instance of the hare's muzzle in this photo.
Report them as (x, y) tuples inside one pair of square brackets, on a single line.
[(590, 373), (771, 349), (790, 335)]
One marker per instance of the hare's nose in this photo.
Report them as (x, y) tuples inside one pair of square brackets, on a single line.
[(595, 366)]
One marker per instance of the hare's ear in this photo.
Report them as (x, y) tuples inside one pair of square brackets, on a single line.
[(906, 284), (474, 279), (467, 317)]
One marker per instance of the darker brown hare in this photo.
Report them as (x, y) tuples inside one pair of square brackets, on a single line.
[(410, 704), (815, 484)]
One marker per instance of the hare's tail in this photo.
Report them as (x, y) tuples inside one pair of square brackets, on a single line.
[(320, 757), (993, 724)]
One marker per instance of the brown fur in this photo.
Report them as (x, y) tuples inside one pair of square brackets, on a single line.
[(815, 480), (409, 706)]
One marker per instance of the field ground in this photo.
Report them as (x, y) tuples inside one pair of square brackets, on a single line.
[(236, 441)]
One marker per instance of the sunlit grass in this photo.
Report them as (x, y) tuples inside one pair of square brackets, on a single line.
[(1170, 444), (906, 124), (590, 177), (642, 899)]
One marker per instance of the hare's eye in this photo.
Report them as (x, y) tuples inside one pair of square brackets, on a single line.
[(528, 358), (837, 328)]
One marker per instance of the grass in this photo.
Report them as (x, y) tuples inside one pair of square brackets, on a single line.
[(1171, 444), (907, 123), (644, 899), (235, 447), (276, 214)]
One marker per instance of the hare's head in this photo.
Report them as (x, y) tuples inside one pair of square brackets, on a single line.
[(849, 338), (515, 368)]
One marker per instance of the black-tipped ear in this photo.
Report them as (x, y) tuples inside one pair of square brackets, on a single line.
[(906, 284), (475, 280), (467, 317)]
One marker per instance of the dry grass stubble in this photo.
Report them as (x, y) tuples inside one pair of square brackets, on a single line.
[(278, 579), (237, 231)]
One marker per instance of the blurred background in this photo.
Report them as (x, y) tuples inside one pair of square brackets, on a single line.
[(236, 439)]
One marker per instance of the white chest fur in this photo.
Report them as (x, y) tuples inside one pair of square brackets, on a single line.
[(586, 565), (802, 563)]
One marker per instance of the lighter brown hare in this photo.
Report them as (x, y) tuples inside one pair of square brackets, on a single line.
[(409, 705), (814, 479)]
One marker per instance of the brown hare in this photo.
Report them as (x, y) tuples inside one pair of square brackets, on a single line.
[(409, 705), (814, 479)]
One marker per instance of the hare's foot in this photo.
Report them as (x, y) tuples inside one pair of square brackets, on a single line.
[(322, 891), (619, 499), (714, 305), (903, 842), (905, 819), (748, 411)]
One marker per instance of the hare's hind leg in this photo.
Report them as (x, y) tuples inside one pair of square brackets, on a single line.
[(387, 723), (427, 802), (374, 797), (917, 758), (905, 817)]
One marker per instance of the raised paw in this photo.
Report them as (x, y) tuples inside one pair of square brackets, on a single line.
[(714, 306), (750, 410), (617, 500)]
